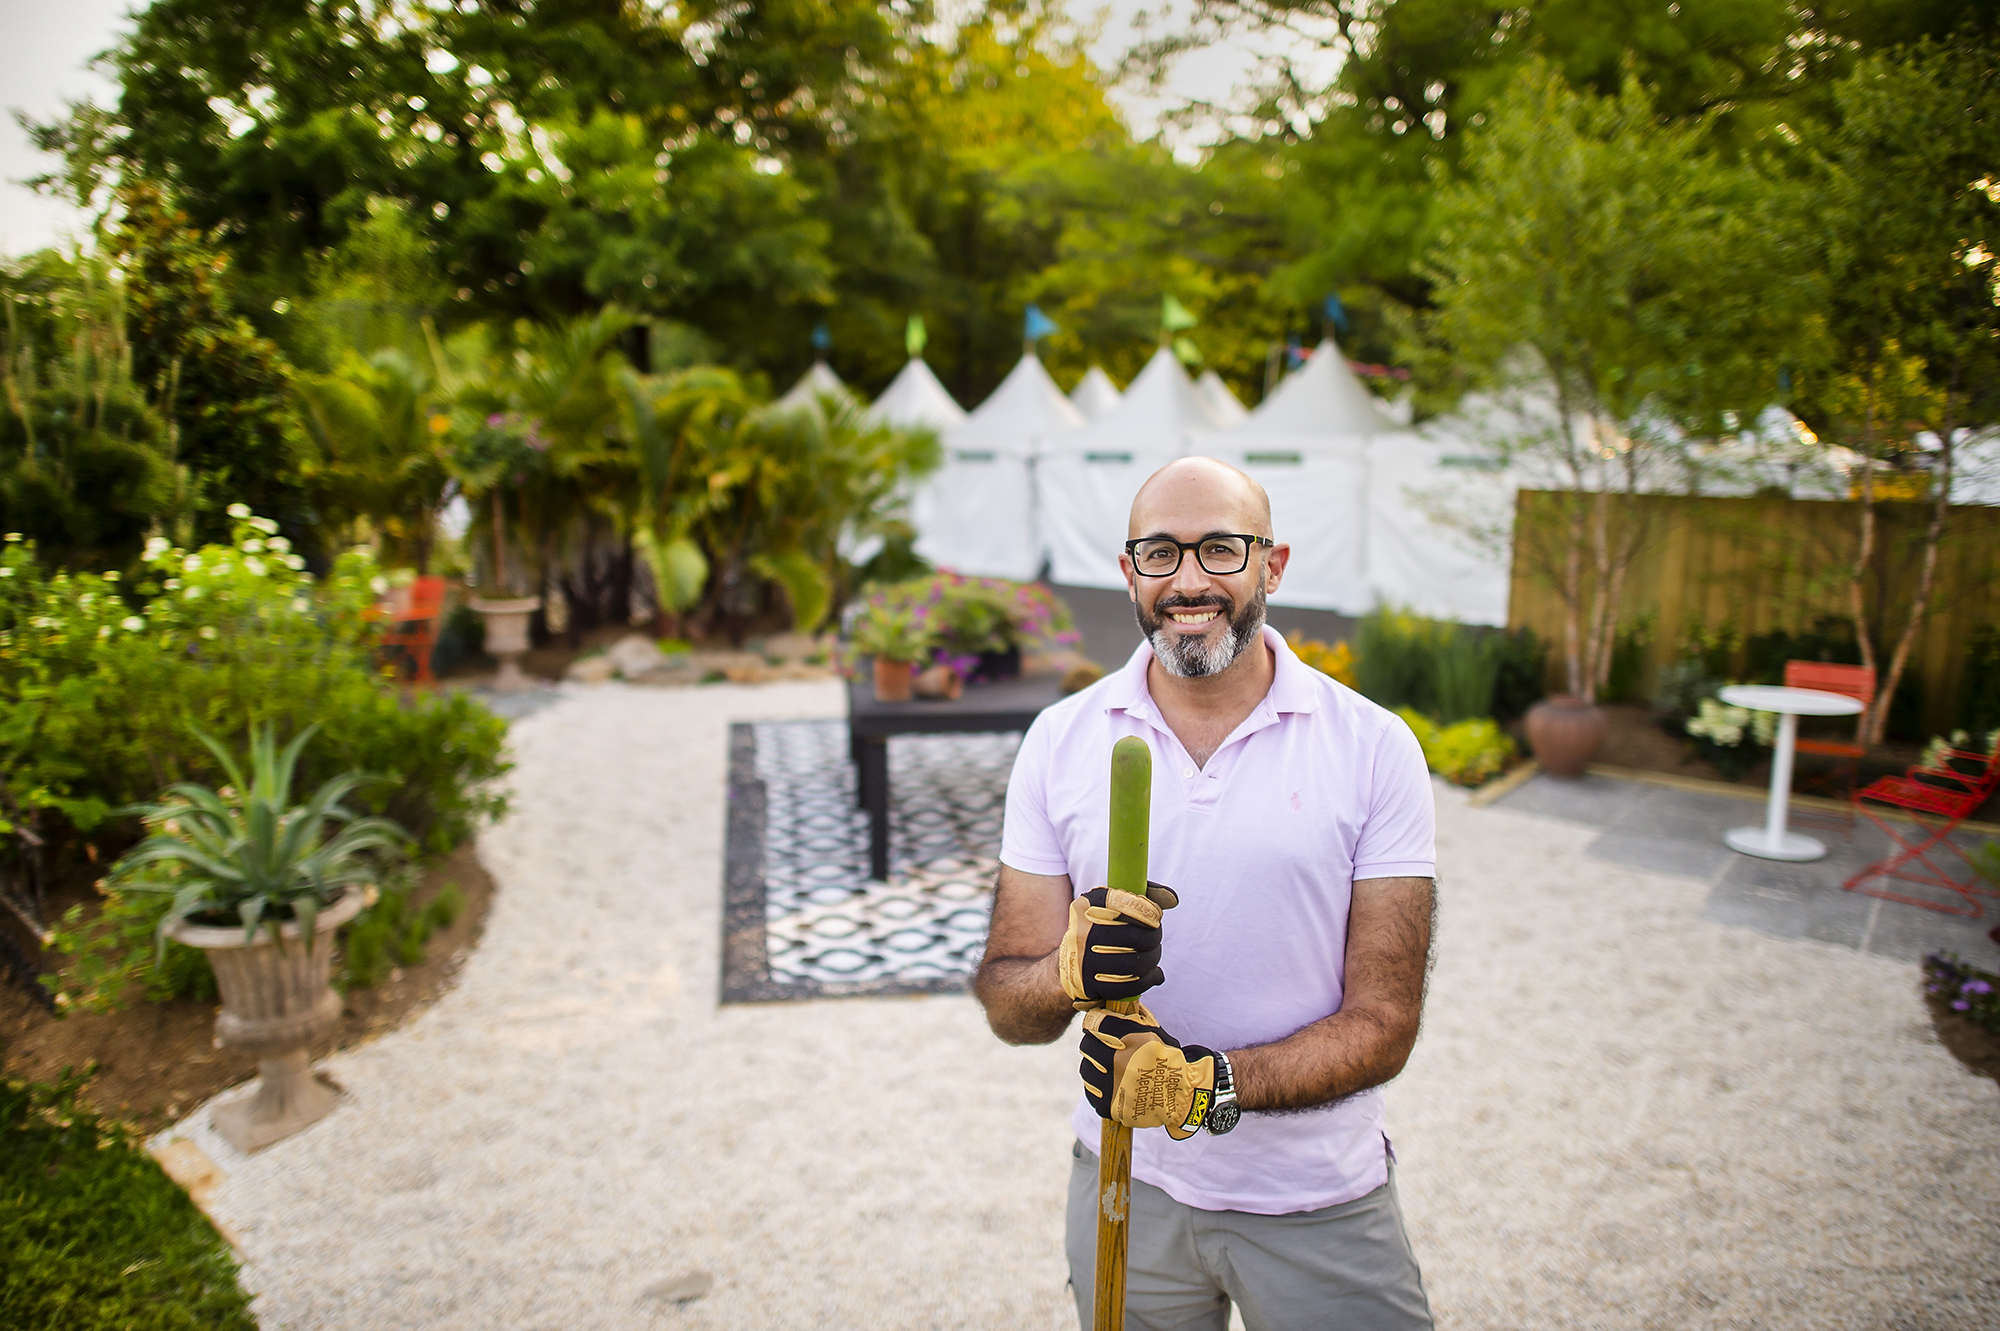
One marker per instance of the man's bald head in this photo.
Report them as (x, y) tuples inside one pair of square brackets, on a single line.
[(1198, 496)]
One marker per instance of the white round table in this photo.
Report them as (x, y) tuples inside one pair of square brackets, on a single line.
[(1772, 841)]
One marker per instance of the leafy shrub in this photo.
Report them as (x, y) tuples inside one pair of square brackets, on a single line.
[(1964, 988), (1337, 660), (1979, 690), (1435, 666), (119, 948), (1732, 738), (1628, 663), (102, 687), (394, 933), (92, 1234), (1520, 681), (1466, 753)]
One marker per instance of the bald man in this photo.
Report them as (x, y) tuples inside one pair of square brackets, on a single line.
[(1282, 973)]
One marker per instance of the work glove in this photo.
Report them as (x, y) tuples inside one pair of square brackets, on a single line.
[(1136, 1074), (1112, 949)]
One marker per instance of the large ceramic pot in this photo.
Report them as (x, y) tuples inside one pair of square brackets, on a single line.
[(892, 680), (275, 1003), (1564, 731), (507, 637)]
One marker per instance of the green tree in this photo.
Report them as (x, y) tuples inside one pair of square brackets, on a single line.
[(1905, 214), (1577, 264), (83, 456), (223, 389)]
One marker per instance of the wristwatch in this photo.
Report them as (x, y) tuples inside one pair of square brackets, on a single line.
[(1223, 1114)]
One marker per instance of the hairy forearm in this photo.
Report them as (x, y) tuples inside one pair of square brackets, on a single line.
[(1336, 1056), (1023, 998), (1391, 925)]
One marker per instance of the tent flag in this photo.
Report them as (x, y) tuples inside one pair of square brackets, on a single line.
[(1336, 313), (914, 336), (1035, 325), (1189, 353), (1295, 354), (1174, 316), (821, 339)]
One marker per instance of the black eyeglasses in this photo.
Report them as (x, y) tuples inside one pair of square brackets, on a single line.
[(1219, 555)]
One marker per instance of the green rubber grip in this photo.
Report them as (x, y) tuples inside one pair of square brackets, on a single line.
[(1131, 815)]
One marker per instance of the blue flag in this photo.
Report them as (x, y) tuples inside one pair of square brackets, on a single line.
[(1294, 353), (1035, 325), (1336, 313), (821, 339)]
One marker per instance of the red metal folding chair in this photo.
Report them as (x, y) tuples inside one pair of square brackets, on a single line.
[(1840, 779), (1937, 799), (413, 626)]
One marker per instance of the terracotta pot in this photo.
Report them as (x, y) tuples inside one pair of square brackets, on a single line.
[(275, 1003), (940, 683), (507, 637), (1564, 731), (892, 680)]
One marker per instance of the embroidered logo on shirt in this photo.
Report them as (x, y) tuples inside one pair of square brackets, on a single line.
[(1297, 803)]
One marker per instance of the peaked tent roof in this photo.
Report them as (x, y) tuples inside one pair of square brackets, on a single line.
[(1094, 394), (1321, 397), (1158, 408), (1026, 405), (1221, 403), (916, 398), (814, 384)]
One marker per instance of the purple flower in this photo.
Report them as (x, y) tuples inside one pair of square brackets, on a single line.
[(1961, 1005), (1976, 987), (496, 420)]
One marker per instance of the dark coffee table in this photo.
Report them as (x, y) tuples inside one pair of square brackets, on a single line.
[(1005, 705)]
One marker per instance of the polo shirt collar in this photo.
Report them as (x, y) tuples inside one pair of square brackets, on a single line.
[(1292, 687)]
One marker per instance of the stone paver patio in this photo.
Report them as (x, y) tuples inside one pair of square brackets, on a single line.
[(1626, 1110)]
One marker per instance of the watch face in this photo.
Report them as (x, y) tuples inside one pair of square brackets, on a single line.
[(1223, 1117)]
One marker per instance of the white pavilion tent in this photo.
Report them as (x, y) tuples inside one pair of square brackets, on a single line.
[(1307, 445), (976, 513), (1094, 394), (817, 382), (915, 398), (1085, 483), (1221, 403)]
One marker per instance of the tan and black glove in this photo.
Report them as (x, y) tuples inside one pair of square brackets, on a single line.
[(1112, 949), (1136, 1074)]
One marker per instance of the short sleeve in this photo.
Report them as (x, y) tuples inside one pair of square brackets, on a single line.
[(1399, 838), (1028, 840)]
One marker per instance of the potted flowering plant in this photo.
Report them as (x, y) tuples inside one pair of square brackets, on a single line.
[(258, 883), (497, 451), (897, 640)]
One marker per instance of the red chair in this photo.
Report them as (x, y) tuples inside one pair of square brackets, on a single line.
[(1850, 681), (413, 624), (1937, 799)]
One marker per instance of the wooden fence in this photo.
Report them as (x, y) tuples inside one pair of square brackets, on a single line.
[(1762, 564)]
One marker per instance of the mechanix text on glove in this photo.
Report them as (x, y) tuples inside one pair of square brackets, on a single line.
[(1136, 1074)]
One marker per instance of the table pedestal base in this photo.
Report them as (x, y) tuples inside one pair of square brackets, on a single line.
[(1791, 846)]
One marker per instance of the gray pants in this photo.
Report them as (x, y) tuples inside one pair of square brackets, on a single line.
[(1344, 1268)]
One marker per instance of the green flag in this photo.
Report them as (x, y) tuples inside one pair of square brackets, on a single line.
[(1174, 315), (1189, 353), (914, 336)]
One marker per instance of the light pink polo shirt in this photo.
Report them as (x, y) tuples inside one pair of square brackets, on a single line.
[(1316, 788)]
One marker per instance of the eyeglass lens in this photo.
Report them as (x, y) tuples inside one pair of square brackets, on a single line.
[(1219, 555)]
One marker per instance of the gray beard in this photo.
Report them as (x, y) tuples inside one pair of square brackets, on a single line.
[(1199, 658)]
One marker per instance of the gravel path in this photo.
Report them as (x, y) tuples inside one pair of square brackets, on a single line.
[(1619, 1115)]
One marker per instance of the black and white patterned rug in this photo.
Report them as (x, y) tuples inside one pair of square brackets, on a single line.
[(802, 919)]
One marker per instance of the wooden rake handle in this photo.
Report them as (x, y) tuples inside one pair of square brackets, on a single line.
[(1131, 820)]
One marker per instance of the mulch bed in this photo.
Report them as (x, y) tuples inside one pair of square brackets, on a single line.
[(156, 1061), (1972, 1044)]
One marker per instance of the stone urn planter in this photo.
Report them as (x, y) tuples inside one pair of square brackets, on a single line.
[(275, 1003), (893, 680), (1565, 731), (507, 636)]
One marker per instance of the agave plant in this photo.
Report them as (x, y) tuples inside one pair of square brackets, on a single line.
[(246, 851)]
